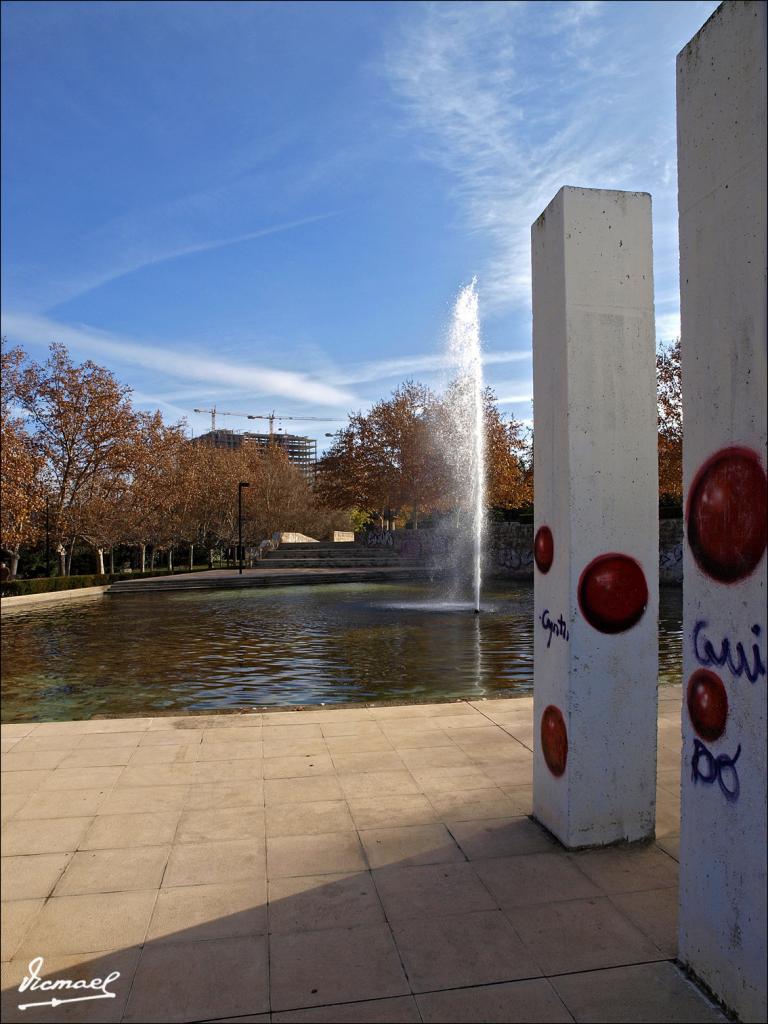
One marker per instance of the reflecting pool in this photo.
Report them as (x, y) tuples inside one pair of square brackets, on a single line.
[(196, 651)]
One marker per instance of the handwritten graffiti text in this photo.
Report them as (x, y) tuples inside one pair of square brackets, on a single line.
[(720, 769)]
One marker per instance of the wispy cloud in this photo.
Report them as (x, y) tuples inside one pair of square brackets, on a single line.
[(515, 100), (177, 364), (387, 369), (157, 252)]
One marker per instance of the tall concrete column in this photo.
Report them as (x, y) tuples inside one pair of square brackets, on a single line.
[(721, 97), (596, 506)]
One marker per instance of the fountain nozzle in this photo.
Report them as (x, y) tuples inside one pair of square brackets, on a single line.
[(477, 611)]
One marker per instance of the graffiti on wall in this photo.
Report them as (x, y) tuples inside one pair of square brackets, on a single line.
[(557, 627), (726, 518)]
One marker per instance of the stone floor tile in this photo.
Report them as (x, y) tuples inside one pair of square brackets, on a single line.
[(100, 757), (155, 775), (366, 743), (207, 772), (643, 992), (138, 799), (349, 727), (291, 733), (627, 869), (529, 879), (221, 824), (367, 785), (399, 712), (31, 760), (17, 918), (229, 751), (49, 835), (16, 730), (522, 796), (292, 748), (320, 816), (112, 740), (11, 804), (233, 736), (193, 981), (187, 913), (76, 803), (500, 837), (84, 924), (179, 753), (314, 854), (309, 902), (451, 709), (437, 781), (214, 863), (172, 738), (429, 736), (84, 967), (434, 757), (410, 844), (82, 778), (517, 1002), (32, 742), (389, 811), (473, 804), (124, 870), (25, 782), (334, 965), (309, 789), (580, 935), (376, 761), (670, 844), (432, 890), (464, 949), (219, 795), (654, 912), (31, 877), (396, 1010), (118, 831), (298, 767)]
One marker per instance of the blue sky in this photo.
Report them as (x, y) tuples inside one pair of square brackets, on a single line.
[(272, 206)]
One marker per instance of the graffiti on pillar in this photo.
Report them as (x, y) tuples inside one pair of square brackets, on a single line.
[(720, 769), (735, 659), (726, 514), (554, 740), (555, 627), (544, 549), (707, 702), (613, 593)]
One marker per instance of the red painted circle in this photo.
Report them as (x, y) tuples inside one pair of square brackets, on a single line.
[(707, 704), (613, 593), (554, 739), (726, 514), (544, 549)]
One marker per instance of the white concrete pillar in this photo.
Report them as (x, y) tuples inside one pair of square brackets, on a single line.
[(721, 174), (596, 515)]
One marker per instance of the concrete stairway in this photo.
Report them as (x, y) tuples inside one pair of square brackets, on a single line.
[(333, 555)]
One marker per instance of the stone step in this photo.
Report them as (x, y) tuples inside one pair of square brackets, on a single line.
[(164, 584)]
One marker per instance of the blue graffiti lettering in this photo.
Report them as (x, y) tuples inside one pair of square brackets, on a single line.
[(558, 628), (737, 663), (716, 767)]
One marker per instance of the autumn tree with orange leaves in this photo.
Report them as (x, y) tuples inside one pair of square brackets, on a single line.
[(670, 406)]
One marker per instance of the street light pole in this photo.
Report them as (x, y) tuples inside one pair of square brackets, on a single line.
[(47, 536), (240, 486)]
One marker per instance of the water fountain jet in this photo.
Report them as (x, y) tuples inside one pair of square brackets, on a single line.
[(468, 415)]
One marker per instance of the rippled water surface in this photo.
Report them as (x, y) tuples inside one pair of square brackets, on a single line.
[(294, 645)]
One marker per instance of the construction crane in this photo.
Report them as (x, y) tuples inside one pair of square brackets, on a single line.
[(272, 416)]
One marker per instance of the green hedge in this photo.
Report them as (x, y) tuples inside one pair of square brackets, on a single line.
[(47, 585)]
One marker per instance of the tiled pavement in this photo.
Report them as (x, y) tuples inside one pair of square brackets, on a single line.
[(372, 864)]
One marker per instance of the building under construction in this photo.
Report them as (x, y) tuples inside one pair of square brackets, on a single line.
[(301, 451)]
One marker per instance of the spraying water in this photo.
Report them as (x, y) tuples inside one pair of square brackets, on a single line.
[(467, 413)]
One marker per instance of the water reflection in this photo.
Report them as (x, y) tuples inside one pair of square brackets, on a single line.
[(295, 645)]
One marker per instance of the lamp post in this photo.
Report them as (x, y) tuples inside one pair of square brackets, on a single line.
[(47, 535), (240, 486)]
